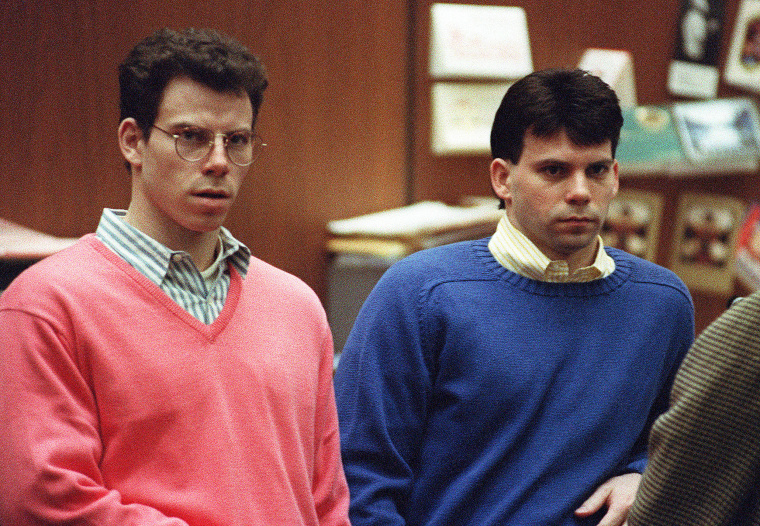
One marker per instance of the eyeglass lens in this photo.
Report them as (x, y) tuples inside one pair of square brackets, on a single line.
[(242, 147)]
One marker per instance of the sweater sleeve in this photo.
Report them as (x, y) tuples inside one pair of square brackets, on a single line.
[(50, 447), (705, 451), (330, 488), (382, 388), (681, 339)]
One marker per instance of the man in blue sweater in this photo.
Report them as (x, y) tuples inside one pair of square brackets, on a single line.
[(513, 380)]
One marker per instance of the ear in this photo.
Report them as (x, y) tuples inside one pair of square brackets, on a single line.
[(500, 178), (131, 142), (616, 175)]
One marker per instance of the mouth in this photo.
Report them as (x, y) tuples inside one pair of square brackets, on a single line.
[(578, 221), (212, 194)]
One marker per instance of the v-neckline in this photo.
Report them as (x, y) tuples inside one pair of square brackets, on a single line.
[(209, 331)]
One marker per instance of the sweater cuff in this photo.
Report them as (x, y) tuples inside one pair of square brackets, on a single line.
[(636, 466)]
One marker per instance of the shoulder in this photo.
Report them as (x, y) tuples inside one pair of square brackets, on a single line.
[(649, 275), (741, 322), (74, 280), (410, 282), (454, 262), (265, 280), (65, 270)]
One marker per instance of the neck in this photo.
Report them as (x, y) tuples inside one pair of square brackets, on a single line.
[(204, 252), (201, 246), (582, 258)]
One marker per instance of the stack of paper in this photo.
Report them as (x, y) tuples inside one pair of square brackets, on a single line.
[(399, 231)]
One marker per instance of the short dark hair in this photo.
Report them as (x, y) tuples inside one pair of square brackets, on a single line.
[(548, 101), (203, 55)]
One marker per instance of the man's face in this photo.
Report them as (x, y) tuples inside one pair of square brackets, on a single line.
[(558, 194), (174, 199)]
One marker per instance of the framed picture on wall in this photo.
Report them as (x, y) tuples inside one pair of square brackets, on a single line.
[(721, 129), (633, 222), (706, 232), (694, 72), (462, 115), (743, 61)]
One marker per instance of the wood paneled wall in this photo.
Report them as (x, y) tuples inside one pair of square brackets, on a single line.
[(333, 116), (347, 113)]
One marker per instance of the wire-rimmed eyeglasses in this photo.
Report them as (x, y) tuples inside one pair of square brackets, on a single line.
[(194, 143)]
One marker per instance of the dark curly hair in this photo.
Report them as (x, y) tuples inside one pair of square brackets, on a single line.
[(203, 55)]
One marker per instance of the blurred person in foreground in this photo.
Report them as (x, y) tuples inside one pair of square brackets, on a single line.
[(704, 467)]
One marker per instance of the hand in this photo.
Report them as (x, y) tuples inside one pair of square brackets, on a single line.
[(618, 494)]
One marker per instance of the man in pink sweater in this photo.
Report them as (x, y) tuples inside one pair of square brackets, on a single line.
[(155, 373)]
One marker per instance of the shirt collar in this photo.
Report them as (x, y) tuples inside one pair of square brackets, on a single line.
[(515, 252), (153, 258)]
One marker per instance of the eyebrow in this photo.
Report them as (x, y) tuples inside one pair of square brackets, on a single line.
[(198, 126), (605, 161)]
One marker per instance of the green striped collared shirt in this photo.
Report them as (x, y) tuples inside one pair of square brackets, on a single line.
[(202, 294)]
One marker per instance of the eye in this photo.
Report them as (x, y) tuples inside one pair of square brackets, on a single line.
[(552, 170), (195, 136), (598, 170), (239, 139)]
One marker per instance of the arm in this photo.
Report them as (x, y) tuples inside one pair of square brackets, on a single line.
[(705, 451), (677, 320), (618, 492), (330, 488), (50, 447), (382, 387)]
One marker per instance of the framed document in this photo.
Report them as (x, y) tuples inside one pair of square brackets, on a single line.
[(615, 67), (469, 41), (649, 141)]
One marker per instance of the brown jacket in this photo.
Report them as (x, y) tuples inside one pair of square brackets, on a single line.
[(704, 452)]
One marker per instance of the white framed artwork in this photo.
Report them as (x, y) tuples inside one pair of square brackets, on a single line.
[(471, 41), (462, 116), (721, 129)]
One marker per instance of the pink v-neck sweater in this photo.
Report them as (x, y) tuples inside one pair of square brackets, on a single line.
[(120, 408)]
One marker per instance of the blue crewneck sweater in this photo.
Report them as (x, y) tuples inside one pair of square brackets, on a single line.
[(468, 394)]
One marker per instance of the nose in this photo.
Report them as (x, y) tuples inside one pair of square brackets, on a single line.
[(578, 191), (217, 163)]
